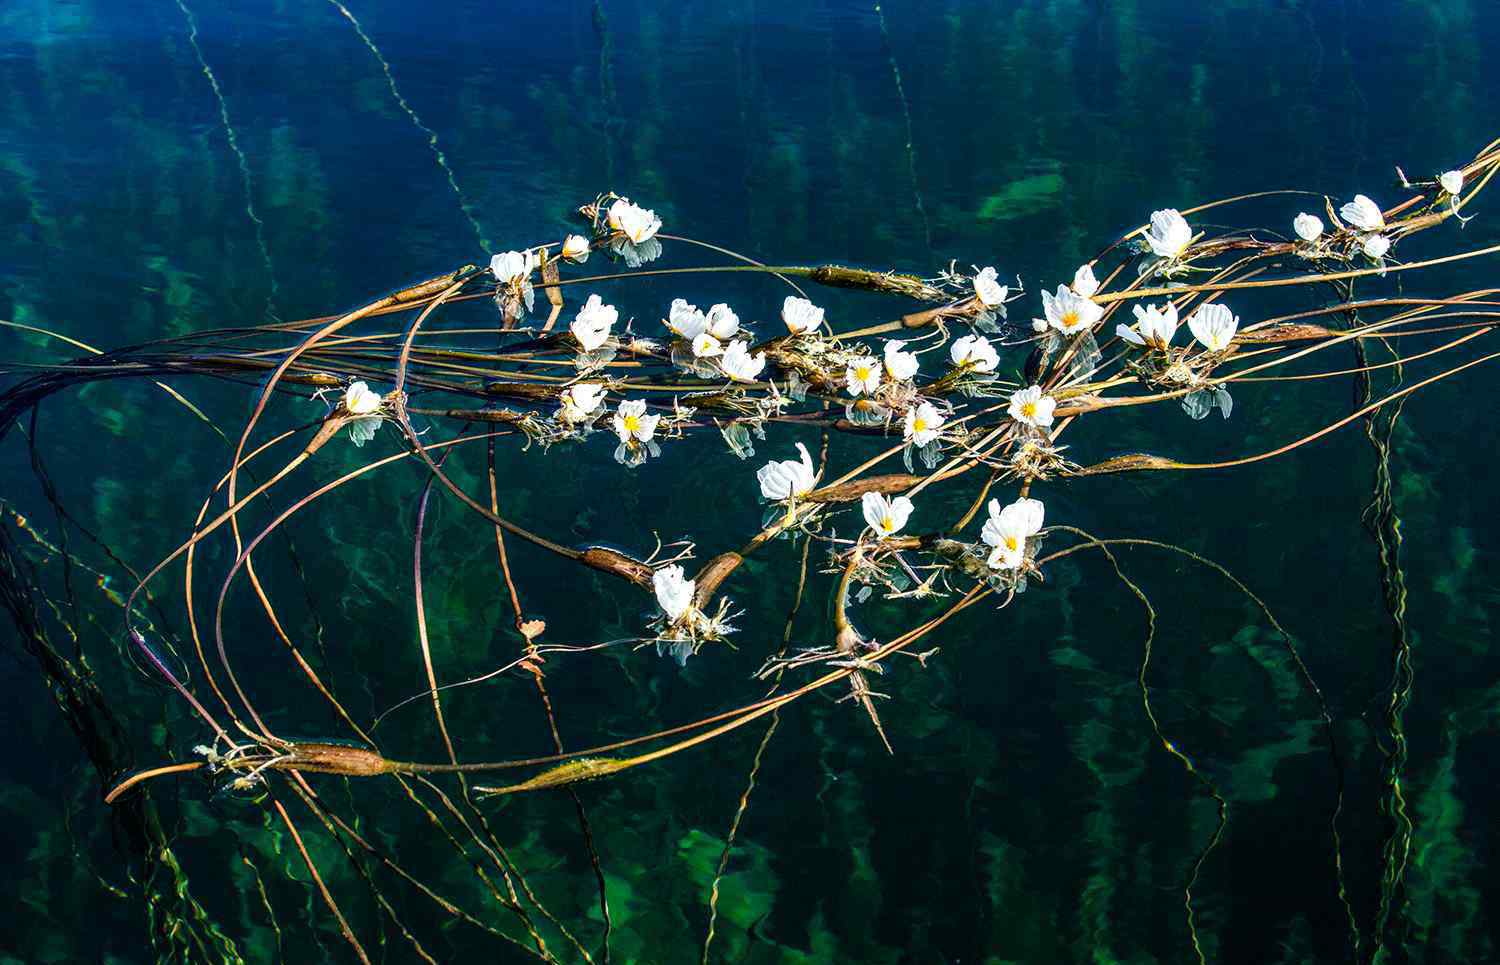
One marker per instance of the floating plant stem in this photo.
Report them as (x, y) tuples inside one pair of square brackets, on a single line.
[(984, 411)]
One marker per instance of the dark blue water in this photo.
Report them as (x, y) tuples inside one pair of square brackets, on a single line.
[(1030, 811)]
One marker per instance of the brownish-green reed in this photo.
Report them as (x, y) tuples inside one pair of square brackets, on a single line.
[(953, 427)]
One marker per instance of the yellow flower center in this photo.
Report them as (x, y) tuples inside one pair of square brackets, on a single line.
[(919, 424), (862, 373), (632, 423), (887, 523), (1010, 543), (1069, 319), (1028, 409)]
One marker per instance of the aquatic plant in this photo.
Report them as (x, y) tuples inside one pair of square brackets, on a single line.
[(989, 415)]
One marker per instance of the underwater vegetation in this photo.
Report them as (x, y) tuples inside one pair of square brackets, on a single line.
[(896, 539), (408, 379)]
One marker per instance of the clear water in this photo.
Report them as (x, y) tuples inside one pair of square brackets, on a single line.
[(1029, 813)]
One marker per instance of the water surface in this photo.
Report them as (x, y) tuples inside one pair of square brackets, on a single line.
[(166, 167)]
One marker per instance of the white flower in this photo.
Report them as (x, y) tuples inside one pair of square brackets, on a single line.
[(359, 399), (922, 423), (1375, 246), (580, 400), (1169, 233), (362, 405), (863, 375), (638, 224), (513, 266), (1008, 529), (1070, 312), (722, 321), (974, 352), (593, 323), (1084, 282), (1153, 326), (706, 346), (900, 365), (685, 320), (1452, 181), (632, 424), (674, 592), (739, 364), (800, 315), (1031, 407), (1213, 326), (788, 479), (1309, 227), (886, 516), (989, 291), (1363, 213), (576, 249)]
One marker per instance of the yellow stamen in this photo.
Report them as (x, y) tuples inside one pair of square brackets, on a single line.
[(632, 423), (1028, 409)]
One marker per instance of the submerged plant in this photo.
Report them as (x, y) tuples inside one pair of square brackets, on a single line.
[(993, 419)]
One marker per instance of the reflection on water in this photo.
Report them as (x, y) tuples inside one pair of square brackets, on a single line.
[(169, 167)]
